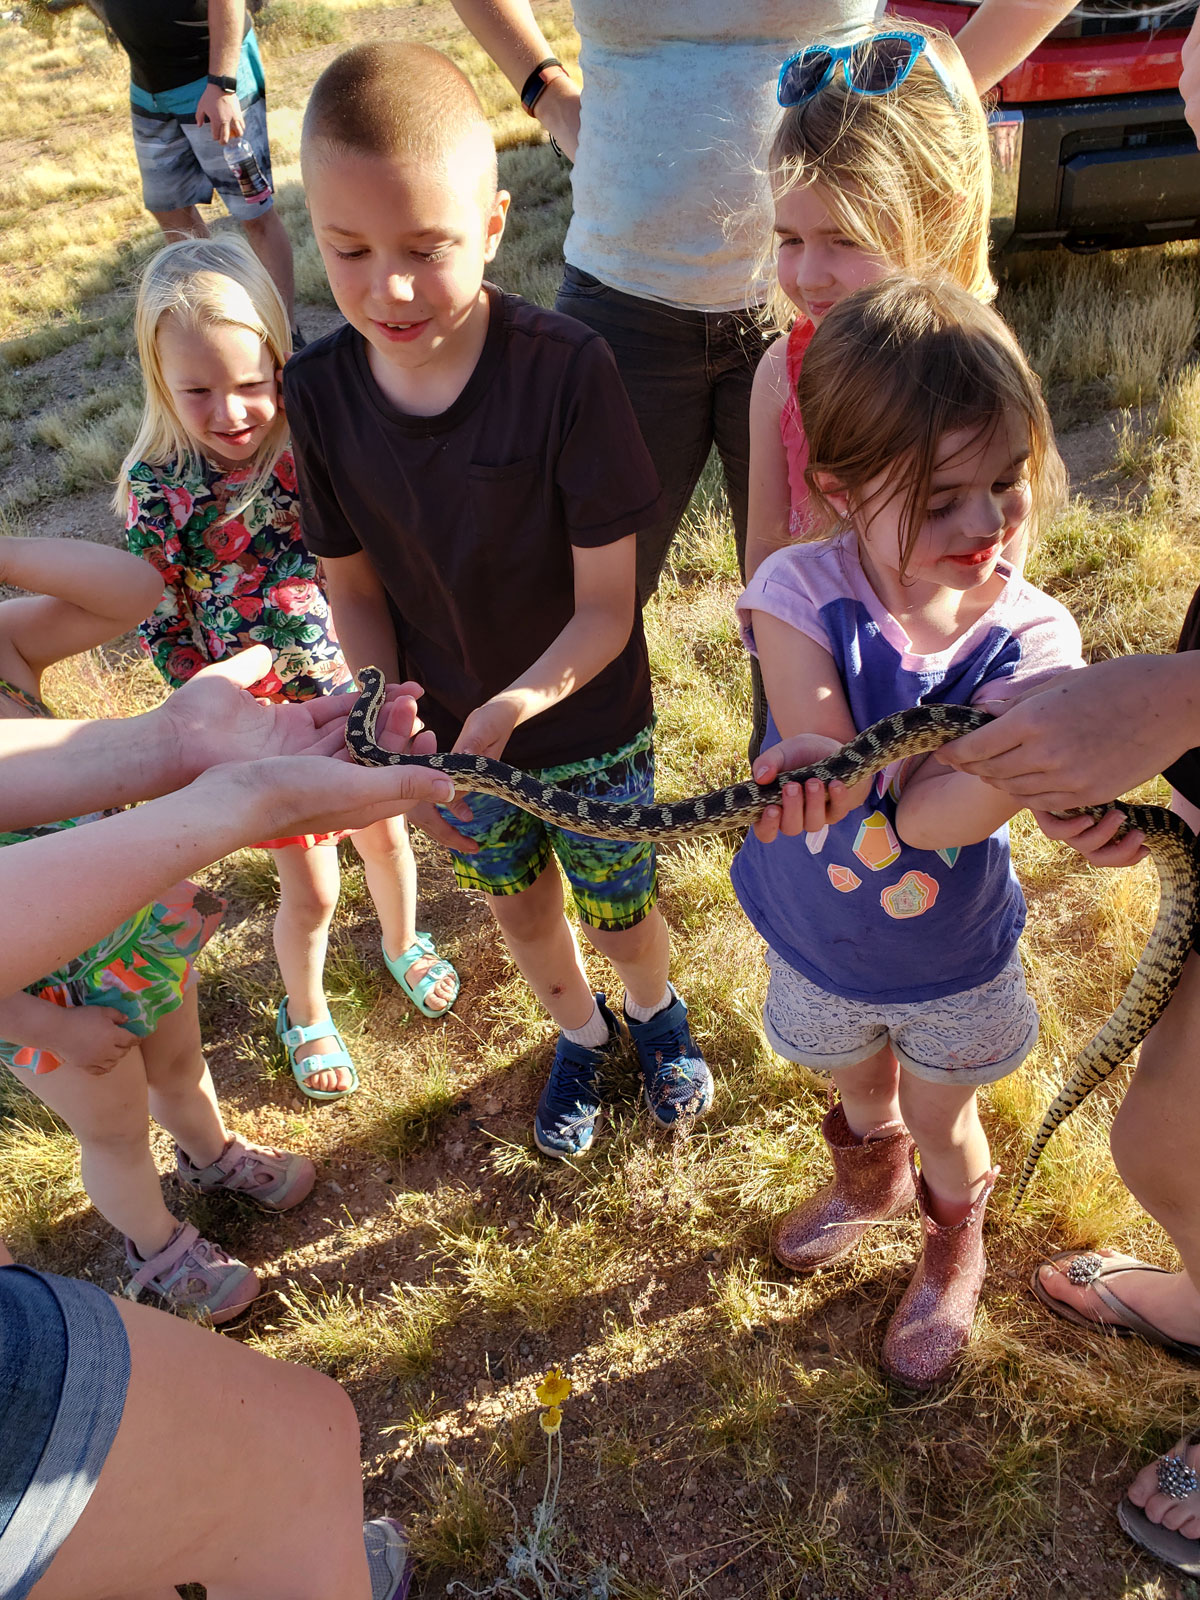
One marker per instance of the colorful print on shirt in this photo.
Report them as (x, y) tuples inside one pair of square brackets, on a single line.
[(854, 908)]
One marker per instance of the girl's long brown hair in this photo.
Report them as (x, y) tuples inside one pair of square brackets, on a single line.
[(891, 371)]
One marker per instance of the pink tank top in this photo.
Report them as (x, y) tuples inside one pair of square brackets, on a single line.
[(791, 429)]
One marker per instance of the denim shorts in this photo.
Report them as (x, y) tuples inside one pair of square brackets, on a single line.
[(614, 881), (977, 1036), (181, 164), (64, 1372)]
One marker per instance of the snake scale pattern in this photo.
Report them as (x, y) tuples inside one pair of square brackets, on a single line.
[(917, 731)]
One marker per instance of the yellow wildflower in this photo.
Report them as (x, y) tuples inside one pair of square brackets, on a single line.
[(553, 1389), (551, 1420)]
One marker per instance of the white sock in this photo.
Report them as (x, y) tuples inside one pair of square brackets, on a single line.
[(594, 1033), (644, 1013)]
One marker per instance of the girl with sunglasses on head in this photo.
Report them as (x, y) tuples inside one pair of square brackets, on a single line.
[(880, 163), (892, 917)]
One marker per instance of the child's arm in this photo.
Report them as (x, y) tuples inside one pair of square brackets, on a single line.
[(93, 1038), (940, 808), (605, 597), (360, 614), (82, 594), (768, 518), (805, 695)]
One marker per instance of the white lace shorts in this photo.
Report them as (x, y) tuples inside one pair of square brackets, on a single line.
[(976, 1036)]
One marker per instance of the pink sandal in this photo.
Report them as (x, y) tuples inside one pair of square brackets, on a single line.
[(273, 1179), (193, 1275)]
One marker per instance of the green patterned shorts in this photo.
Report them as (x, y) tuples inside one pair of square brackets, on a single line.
[(614, 881)]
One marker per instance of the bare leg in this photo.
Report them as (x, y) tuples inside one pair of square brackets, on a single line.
[(870, 1092), (542, 943), (641, 955), (228, 1469), (268, 238), (391, 872), (309, 885), (182, 1097), (110, 1118), (186, 223), (1154, 1141), (943, 1119)]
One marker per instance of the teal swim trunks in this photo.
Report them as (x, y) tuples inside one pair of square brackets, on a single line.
[(614, 881)]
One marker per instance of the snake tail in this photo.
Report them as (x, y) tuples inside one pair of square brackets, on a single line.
[(1174, 852)]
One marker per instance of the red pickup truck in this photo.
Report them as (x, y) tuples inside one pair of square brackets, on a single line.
[(1091, 149)]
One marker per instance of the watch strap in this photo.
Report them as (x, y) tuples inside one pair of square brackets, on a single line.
[(535, 84), (218, 82)]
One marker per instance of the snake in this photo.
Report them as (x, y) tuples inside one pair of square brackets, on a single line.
[(918, 730)]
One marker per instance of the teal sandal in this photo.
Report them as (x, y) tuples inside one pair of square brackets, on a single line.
[(418, 992), (302, 1071)]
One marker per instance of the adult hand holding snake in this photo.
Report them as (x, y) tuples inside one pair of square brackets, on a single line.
[(1089, 735)]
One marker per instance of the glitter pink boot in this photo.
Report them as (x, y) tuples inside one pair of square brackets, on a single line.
[(931, 1325), (872, 1180)]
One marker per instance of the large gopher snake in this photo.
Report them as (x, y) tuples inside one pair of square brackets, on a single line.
[(908, 733)]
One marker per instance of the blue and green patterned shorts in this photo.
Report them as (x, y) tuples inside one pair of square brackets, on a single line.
[(614, 881)]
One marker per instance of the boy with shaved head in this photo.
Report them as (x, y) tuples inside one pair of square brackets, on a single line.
[(473, 479)]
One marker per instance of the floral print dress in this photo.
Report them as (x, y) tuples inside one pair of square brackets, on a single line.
[(234, 581), (142, 968)]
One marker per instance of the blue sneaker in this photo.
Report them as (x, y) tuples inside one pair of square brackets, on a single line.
[(565, 1121), (675, 1075)]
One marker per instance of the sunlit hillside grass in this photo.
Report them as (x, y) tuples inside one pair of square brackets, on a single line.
[(728, 1434)]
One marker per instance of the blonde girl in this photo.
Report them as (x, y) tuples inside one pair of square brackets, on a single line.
[(892, 924), (112, 1037), (879, 163), (208, 493)]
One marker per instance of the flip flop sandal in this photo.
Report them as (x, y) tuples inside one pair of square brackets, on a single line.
[(293, 1038), (419, 992), (1089, 1270), (1178, 1480)]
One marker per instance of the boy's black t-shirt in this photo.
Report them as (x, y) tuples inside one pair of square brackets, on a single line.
[(469, 517)]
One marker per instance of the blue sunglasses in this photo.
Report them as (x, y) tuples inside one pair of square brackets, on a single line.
[(873, 66)]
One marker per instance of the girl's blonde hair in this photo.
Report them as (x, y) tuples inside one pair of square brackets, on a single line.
[(206, 283), (907, 175), (891, 371)]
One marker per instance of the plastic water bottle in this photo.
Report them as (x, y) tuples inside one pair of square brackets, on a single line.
[(243, 163)]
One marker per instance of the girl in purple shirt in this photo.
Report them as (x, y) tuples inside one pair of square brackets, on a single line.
[(892, 923)]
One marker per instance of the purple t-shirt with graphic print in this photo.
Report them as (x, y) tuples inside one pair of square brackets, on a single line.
[(854, 909)]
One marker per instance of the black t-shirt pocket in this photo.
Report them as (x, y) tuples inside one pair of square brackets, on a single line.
[(520, 568), (509, 514)]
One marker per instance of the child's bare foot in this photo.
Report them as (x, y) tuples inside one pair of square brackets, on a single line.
[(313, 1043), (1107, 1289), (326, 1079), (428, 981)]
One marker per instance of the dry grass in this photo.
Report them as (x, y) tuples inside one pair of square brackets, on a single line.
[(728, 1435)]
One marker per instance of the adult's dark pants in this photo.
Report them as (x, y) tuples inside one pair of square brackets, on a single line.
[(688, 375)]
